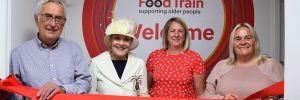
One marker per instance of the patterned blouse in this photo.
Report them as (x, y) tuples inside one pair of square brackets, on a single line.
[(173, 74)]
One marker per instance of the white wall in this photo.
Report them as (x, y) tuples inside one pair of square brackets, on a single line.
[(267, 26), (292, 49), (4, 41), (17, 25), (23, 27), (282, 31), (73, 26)]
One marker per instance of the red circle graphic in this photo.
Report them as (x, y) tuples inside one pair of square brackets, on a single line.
[(97, 15)]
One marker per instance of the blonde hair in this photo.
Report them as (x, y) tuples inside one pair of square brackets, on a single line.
[(260, 58), (187, 40)]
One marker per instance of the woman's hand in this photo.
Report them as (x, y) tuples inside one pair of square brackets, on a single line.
[(231, 96)]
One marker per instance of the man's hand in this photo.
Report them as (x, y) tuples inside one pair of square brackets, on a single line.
[(49, 89)]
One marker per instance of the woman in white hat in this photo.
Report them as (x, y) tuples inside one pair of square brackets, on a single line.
[(117, 71)]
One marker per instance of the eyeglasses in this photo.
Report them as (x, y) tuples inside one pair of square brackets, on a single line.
[(49, 17)]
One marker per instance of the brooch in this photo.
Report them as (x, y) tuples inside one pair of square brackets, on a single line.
[(137, 80)]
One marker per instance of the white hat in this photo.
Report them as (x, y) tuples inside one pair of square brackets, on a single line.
[(122, 27)]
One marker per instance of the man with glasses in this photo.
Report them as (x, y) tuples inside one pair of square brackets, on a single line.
[(48, 62)]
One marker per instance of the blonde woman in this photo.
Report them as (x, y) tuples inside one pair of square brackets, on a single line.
[(246, 71), (175, 71)]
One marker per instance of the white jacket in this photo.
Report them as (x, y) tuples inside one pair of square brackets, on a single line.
[(105, 79)]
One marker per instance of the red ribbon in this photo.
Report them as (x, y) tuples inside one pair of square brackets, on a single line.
[(273, 90), (11, 84)]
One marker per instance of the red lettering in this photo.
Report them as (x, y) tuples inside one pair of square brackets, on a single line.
[(147, 33), (189, 4), (141, 2), (199, 2), (192, 31), (208, 34), (167, 3), (138, 31), (155, 34)]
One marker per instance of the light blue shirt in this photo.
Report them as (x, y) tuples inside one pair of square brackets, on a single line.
[(34, 65)]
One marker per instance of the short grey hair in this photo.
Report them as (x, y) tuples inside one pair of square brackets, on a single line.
[(43, 2), (187, 40), (260, 58)]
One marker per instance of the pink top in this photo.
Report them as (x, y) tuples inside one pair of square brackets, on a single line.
[(242, 81), (173, 74)]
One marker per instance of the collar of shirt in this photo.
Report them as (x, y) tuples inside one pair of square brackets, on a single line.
[(41, 45)]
